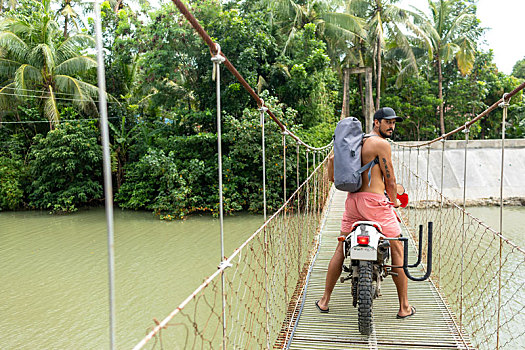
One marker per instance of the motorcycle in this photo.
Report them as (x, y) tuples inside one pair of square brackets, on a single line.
[(369, 250)]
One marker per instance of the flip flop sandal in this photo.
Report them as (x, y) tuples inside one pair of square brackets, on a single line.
[(401, 317), (319, 308)]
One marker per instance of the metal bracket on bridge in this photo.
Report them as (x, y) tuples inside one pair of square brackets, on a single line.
[(218, 58), (467, 128), (224, 265), (504, 103)]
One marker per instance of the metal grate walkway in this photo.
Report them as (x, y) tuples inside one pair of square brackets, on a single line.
[(431, 328)]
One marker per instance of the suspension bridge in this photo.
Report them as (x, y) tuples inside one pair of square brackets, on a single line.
[(262, 295)]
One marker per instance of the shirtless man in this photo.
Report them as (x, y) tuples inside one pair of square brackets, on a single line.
[(370, 204)]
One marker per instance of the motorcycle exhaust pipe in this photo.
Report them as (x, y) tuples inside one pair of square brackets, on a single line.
[(429, 254)]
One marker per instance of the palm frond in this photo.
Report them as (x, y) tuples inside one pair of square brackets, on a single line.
[(82, 92), (461, 24), (403, 44), (291, 35), (15, 47), (50, 107), (26, 75), (336, 34), (68, 48), (466, 55), (75, 65), (357, 7), (346, 22), (425, 38), (8, 68), (448, 51), (48, 31), (42, 56), (8, 100)]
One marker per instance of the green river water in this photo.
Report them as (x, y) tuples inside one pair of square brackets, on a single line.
[(54, 279)]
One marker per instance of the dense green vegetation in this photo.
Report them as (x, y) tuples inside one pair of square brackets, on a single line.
[(296, 53)]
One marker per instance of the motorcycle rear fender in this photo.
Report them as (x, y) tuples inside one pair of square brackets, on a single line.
[(360, 252)]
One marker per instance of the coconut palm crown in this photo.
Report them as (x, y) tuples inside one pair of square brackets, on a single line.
[(450, 36), (37, 62)]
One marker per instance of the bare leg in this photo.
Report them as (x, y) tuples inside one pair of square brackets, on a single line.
[(334, 271), (400, 280)]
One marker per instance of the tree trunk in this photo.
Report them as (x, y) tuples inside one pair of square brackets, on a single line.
[(65, 26), (362, 94), (369, 100), (378, 75), (440, 92), (118, 6), (344, 109)]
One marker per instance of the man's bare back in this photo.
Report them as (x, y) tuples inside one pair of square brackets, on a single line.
[(383, 175)]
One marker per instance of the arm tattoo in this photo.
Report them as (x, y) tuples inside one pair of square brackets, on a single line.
[(386, 168)]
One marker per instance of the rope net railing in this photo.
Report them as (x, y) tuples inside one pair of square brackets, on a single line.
[(249, 301), (479, 272), (262, 282)]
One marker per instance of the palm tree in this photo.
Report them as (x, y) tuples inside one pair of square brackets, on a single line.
[(450, 35), (69, 14), (386, 20), (340, 30), (36, 62), (343, 32)]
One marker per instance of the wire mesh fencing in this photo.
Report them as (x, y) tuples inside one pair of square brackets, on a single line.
[(258, 284), (479, 271)]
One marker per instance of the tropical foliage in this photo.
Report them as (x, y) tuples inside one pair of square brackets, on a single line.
[(37, 64), (299, 55)]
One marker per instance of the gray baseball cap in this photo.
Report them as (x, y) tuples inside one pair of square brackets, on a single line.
[(387, 113)]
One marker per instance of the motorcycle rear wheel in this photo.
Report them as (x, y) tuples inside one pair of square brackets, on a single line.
[(365, 294)]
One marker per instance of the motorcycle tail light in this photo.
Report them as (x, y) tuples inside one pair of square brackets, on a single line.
[(363, 240), (341, 238)]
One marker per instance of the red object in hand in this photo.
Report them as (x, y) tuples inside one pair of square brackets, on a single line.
[(403, 199)]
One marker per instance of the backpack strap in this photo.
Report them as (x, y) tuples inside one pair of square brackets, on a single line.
[(369, 167)]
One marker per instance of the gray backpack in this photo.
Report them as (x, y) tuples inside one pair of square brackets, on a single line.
[(348, 140)]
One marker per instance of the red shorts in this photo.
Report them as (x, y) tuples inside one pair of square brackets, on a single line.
[(368, 206)]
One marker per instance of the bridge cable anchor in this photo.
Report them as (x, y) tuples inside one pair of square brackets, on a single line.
[(467, 128), (216, 59), (262, 109), (504, 103)]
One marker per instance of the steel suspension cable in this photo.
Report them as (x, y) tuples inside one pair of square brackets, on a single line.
[(505, 106), (262, 110), (443, 140), (217, 60), (108, 187), (466, 130)]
